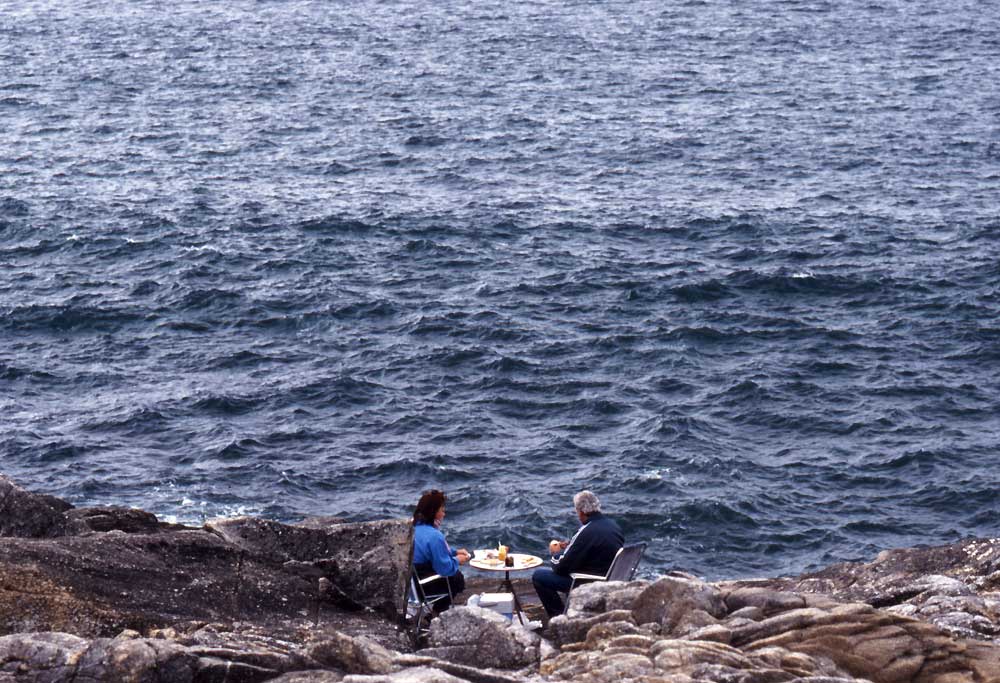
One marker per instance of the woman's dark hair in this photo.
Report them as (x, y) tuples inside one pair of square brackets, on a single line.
[(428, 506)]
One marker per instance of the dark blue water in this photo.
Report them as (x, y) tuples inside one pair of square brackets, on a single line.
[(732, 265)]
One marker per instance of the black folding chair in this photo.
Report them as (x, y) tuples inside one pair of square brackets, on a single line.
[(622, 568)]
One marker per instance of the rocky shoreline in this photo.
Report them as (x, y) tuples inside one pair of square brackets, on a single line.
[(112, 594)]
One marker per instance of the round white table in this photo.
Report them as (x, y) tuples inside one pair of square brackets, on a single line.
[(522, 563)]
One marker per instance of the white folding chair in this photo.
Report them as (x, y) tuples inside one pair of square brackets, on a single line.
[(420, 604), (622, 568)]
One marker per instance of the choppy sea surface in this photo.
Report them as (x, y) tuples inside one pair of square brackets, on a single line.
[(733, 265)]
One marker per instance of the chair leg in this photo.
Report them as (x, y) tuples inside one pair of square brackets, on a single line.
[(417, 621), (572, 584)]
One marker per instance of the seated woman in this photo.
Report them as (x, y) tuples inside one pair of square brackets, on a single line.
[(431, 553)]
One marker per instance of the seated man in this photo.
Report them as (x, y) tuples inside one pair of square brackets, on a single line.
[(591, 551)]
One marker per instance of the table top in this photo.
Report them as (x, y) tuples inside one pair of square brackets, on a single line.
[(521, 562)]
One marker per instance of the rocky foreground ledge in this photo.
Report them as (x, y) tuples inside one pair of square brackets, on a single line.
[(112, 594)]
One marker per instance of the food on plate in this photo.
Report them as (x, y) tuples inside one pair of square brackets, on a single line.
[(522, 561), (491, 559)]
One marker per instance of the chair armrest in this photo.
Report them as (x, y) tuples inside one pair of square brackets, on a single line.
[(587, 577), (428, 579)]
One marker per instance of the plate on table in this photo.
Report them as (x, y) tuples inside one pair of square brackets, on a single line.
[(525, 561), (487, 562)]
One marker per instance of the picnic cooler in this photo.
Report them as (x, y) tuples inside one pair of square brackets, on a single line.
[(502, 603)]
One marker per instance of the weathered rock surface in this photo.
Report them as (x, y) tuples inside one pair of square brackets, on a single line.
[(365, 563), (353, 655), (63, 657), (212, 654), (679, 628), (480, 637), (564, 629), (318, 676), (111, 594), (246, 647), (415, 675), (29, 515), (956, 587), (100, 584), (604, 596), (94, 572), (677, 602), (112, 518)]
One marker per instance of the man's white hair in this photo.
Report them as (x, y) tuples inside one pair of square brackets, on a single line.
[(586, 502)]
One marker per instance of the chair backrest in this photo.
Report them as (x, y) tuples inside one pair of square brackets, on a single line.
[(611, 567), (418, 590), (626, 562)]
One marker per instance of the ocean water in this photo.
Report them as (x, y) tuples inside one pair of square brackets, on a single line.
[(732, 265)]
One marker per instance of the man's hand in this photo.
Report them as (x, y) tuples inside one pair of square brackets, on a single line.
[(462, 555), (556, 547)]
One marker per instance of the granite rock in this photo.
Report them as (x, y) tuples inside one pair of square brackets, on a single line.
[(111, 594), (353, 655), (29, 515), (590, 597), (949, 586), (99, 584), (314, 676), (95, 571), (670, 599), (63, 658), (110, 518), (244, 646), (415, 675), (564, 629), (367, 562), (476, 636), (765, 600)]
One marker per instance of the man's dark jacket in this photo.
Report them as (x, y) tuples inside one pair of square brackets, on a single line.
[(592, 549)]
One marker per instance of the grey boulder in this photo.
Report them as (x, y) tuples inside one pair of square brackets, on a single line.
[(480, 637)]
